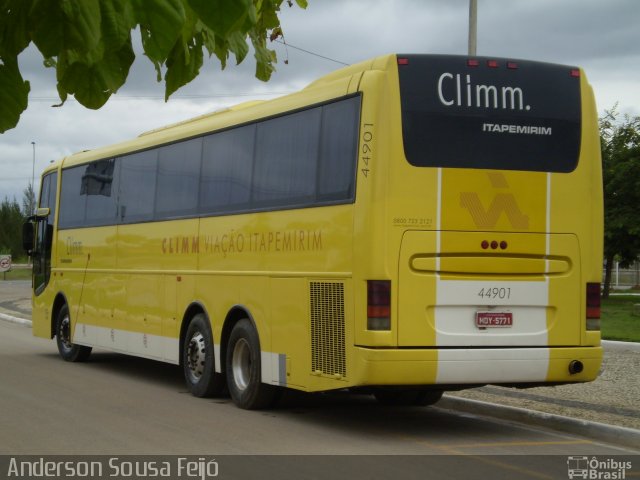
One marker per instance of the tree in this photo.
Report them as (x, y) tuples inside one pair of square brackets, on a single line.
[(11, 220), (28, 200), (620, 142), (88, 42)]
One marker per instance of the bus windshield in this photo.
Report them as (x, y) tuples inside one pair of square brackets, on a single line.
[(486, 113)]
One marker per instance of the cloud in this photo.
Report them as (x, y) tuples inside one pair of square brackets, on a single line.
[(602, 37)]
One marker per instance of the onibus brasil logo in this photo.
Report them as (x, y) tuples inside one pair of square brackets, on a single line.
[(597, 469)]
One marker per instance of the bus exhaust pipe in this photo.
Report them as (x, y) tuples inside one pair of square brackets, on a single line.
[(575, 367)]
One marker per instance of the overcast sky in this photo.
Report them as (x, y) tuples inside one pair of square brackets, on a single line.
[(601, 36)]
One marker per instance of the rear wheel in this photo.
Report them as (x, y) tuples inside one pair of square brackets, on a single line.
[(198, 361), (244, 370), (408, 397), (68, 351)]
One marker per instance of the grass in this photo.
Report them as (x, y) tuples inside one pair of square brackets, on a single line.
[(618, 321), (16, 274)]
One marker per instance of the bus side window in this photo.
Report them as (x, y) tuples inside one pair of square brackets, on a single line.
[(338, 145)]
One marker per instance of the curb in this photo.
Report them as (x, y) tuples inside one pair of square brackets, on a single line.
[(617, 345), (620, 436), (17, 320)]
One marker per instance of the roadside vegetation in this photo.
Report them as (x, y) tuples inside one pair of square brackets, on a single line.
[(17, 273), (620, 142), (618, 319)]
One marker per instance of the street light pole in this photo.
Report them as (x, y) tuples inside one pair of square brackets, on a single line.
[(33, 179), (473, 27)]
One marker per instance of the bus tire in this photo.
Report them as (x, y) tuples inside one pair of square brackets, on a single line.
[(198, 360), (244, 371), (428, 397), (408, 397), (68, 351)]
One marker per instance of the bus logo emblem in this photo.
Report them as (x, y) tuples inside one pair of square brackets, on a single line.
[(487, 218)]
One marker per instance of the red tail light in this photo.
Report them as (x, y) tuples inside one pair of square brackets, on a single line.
[(593, 306), (574, 72), (593, 300), (379, 305)]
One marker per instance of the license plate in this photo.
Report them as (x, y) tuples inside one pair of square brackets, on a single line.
[(494, 319)]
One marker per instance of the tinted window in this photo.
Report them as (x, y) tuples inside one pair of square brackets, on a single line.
[(286, 159), (44, 192), (137, 186), (72, 202), (178, 179), (100, 185), (53, 185), (338, 146), (300, 159), (226, 170), (525, 117), (42, 254)]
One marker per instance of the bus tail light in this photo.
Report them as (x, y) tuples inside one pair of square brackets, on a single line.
[(593, 306), (378, 305)]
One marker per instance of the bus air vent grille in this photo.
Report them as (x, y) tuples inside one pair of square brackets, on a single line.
[(327, 328)]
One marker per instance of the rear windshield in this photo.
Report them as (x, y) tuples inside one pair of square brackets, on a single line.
[(494, 114)]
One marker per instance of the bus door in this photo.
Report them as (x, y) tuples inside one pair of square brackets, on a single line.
[(41, 254)]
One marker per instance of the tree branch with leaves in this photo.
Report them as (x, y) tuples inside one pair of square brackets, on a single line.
[(89, 43)]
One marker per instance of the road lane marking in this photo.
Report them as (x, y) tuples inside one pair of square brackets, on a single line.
[(521, 444)]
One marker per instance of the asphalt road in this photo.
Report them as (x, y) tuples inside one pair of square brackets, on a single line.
[(116, 405)]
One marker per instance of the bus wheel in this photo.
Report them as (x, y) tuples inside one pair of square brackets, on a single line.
[(243, 365), (409, 397), (198, 360), (68, 351)]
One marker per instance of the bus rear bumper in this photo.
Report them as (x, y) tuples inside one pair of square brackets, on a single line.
[(453, 366)]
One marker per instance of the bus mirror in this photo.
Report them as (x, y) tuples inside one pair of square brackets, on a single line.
[(42, 213), (28, 234)]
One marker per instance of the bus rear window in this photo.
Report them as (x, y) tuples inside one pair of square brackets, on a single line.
[(489, 113)]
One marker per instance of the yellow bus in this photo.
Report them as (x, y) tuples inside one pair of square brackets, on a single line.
[(405, 226)]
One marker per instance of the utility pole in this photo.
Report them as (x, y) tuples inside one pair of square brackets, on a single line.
[(32, 200), (473, 27)]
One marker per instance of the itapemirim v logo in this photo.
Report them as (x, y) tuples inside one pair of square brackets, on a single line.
[(485, 218), (597, 469)]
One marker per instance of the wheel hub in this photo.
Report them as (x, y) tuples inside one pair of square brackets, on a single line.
[(241, 364), (64, 333), (196, 355)]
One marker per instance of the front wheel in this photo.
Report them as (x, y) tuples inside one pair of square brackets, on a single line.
[(244, 371), (68, 351)]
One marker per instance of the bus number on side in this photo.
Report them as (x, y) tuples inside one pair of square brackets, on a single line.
[(366, 150)]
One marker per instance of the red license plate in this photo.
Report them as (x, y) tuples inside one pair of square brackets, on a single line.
[(494, 319)]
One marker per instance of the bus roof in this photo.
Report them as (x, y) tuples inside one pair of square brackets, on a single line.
[(222, 118), (234, 115)]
